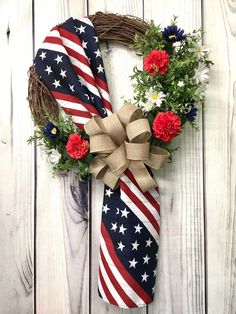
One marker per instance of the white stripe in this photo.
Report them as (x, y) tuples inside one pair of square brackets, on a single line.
[(72, 105), (155, 195), (125, 198), (101, 290), (60, 48), (126, 287), (54, 47), (110, 286), (76, 119), (68, 43), (90, 87), (77, 48), (142, 198), (104, 94), (81, 120), (80, 65)]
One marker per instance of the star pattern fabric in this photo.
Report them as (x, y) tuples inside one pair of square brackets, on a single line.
[(129, 245), (132, 242), (69, 63)]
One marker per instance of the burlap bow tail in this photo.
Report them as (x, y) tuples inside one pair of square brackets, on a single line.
[(120, 142)]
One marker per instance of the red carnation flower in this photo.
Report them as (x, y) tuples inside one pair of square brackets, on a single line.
[(156, 62), (76, 146), (166, 126)]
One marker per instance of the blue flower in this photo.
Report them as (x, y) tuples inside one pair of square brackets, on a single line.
[(172, 34), (50, 130), (191, 115)]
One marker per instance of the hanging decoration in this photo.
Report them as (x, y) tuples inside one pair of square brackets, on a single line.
[(70, 103)]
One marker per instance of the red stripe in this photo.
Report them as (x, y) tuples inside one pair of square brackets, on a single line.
[(70, 36), (80, 126), (67, 97), (125, 274), (147, 195), (84, 60), (106, 103), (116, 284), (103, 86), (77, 113), (101, 83), (70, 52), (87, 77), (90, 80), (77, 56), (53, 40), (140, 205), (107, 292), (93, 81)]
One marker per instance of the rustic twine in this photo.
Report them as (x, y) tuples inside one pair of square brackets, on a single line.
[(118, 28), (109, 27), (42, 104)]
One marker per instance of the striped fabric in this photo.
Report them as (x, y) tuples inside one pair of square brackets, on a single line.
[(69, 63)]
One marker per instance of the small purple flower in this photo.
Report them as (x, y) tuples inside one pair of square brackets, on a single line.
[(50, 130), (172, 34)]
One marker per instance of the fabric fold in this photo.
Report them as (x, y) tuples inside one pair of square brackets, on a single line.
[(70, 65)]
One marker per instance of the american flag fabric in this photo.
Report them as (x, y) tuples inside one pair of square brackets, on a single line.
[(69, 63)]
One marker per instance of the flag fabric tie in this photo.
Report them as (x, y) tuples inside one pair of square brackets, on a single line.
[(69, 63)]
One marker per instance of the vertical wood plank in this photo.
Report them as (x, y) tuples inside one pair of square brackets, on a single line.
[(180, 277), (220, 149), (118, 63), (62, 209), (17, 160)]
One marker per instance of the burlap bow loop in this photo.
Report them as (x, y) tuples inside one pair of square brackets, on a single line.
[(120, 142)]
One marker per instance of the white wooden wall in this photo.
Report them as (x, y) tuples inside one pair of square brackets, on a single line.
[(49, 240)]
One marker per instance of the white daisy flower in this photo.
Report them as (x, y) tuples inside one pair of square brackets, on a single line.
[(201, 74), (54, 156), (153, 99), (146, 106), (199, 51), (180, 84)]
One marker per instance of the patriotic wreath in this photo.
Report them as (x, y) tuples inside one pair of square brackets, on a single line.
[(169, 90), (69, 101)]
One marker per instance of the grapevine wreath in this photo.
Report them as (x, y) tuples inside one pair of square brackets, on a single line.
[(69, 101)]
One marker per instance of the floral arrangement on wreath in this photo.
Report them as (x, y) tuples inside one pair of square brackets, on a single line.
[(169, 90)]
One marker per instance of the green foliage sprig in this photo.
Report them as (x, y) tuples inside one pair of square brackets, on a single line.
[(55, 147), (181, 89)]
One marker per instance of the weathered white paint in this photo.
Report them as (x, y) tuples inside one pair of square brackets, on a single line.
[(17, 160), (220, 149), (196, 270)]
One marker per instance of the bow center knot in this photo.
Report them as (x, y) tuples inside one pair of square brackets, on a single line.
[(120, 142)]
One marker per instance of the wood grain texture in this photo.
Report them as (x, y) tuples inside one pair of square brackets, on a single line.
[(16, 167), (180, 276), (197, 190), (62, 245), (220, 149), (118, 63)]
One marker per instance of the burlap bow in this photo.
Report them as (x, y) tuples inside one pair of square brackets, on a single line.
[(120, 142)]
